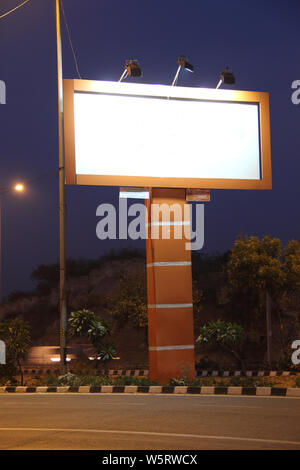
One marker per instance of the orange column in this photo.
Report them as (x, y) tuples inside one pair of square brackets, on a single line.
[(169, 284)]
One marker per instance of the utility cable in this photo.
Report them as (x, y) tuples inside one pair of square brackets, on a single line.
[(14, 9), (66, 24), (70, 39)]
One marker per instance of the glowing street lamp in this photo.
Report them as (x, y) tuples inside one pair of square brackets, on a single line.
[(19, 187)]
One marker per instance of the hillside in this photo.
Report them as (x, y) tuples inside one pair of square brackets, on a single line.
[(85, 291), (89, 284)]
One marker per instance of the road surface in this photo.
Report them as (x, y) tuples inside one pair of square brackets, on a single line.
[(149, 422)]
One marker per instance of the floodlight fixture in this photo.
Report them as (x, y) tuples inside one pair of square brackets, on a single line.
[(226, 77), (183, 63), (132, 69)]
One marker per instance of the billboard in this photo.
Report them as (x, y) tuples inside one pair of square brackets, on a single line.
[(128, 134)]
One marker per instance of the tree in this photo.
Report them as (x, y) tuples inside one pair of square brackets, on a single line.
[(258, 269), (255, 265), (87, 323), (198, 299), (130, 301), (16, 335), (291, 265), (47, 276), (225, 335)]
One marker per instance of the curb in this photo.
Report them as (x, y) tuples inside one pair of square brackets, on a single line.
[(248, 373), (164, 389), (40, 370), (209, 373)]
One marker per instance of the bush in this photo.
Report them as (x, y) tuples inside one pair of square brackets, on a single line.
[(177, 382), (16, 334), (128, 380), (68, 379), (7, 374), (241, 382), (95, 380)]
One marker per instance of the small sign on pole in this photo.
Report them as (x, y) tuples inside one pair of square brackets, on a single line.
[(197, 195)]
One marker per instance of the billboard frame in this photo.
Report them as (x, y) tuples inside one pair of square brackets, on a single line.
[(72, 86)]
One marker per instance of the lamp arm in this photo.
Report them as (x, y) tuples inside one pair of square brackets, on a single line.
[(219, 84), (124, 75), (176, 76)]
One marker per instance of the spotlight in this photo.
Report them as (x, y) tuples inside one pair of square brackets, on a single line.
[(226, 77), (132, 69), (183, 63)]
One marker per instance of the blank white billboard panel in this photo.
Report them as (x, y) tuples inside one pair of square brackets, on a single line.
[(144, 136), (154, 135)]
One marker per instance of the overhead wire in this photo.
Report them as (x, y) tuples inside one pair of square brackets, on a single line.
[(70, 39), (14, 9), (8, 189), (66, 24)]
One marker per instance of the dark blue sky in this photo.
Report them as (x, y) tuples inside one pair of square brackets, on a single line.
[(259, 40)]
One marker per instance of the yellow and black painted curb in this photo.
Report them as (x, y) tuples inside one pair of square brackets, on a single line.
[(163, 389)]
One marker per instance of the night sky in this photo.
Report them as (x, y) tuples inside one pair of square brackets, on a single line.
[(259, 40)]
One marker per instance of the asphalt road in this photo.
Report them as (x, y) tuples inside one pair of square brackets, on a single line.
[(149, 422)]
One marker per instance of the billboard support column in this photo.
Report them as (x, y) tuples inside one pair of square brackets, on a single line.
[(169, 287)]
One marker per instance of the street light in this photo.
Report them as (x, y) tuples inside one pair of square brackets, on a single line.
[(226, 77), (183, 63), (16, 188), (19, 187), (62, 204), (132, 69)]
